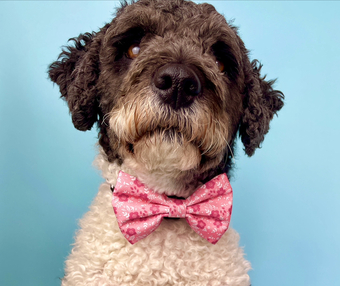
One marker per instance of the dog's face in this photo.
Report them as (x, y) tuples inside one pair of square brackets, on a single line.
[(170, 85)]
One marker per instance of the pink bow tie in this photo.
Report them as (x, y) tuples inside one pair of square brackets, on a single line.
[(139, 210)]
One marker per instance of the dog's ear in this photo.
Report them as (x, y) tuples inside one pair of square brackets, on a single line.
[(261, 102), (76, 72)]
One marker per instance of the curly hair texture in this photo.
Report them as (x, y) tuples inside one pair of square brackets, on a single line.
[(172, 255), (170, 86), (102, 84)]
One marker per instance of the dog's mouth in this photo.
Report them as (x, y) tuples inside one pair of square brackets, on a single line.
[(167, 135), (147, 121), (165, 146)]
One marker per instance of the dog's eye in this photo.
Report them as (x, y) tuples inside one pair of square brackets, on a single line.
[(220, 66), (225, 59), (133, 51)]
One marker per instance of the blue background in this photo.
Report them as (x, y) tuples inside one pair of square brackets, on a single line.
[(287, 198)]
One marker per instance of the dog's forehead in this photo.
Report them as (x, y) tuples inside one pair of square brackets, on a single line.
[(182, 17)]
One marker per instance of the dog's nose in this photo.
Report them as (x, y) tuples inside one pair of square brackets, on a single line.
[(177, 85)]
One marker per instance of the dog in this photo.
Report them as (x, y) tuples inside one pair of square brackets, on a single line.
[(170, 86)]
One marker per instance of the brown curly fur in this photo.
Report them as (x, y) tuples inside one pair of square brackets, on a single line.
[(97, 79)]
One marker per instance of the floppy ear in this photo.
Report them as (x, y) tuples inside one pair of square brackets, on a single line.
[(261, 102), (76, 72)]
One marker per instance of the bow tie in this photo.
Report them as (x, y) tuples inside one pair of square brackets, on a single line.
[(139, 210)]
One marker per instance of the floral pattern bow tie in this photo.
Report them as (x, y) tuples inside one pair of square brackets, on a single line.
[(140, 210)]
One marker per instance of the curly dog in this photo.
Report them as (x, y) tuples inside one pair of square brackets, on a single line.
[(170, 86)]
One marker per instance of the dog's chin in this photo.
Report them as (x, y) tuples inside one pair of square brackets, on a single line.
[(167, 165)]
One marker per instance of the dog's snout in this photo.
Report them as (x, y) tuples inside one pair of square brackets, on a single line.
[(176, 85)]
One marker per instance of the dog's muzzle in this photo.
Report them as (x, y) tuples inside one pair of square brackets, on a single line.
[(177, 85)]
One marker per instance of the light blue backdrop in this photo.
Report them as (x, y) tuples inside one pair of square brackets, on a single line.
[(287, 197)]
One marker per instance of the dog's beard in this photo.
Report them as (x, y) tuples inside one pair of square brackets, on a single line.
[(165, 148), (167, 166), (166, 151)]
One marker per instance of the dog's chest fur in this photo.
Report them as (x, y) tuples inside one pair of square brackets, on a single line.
[(172, 255)]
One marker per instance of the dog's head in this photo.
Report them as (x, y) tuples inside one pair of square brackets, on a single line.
[(170, 86)]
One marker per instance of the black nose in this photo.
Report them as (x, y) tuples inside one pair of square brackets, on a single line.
[(177, 85)]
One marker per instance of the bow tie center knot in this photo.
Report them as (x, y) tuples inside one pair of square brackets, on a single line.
[(177, 208)]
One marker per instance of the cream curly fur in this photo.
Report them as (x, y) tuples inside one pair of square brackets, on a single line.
[(172, 255)]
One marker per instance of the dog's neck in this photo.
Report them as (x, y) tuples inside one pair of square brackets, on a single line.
[(160, 181)]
